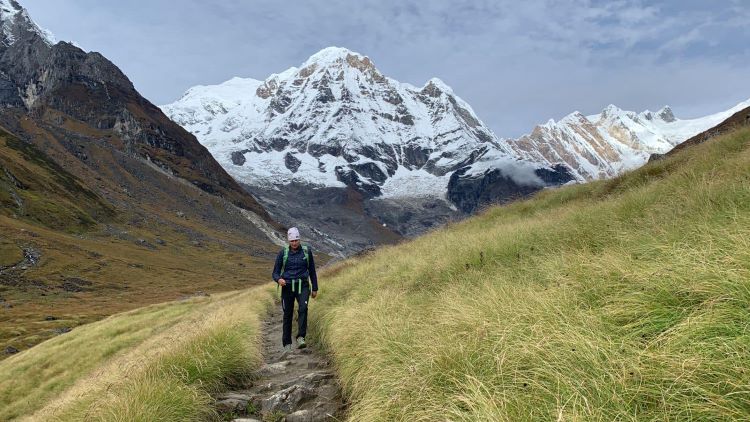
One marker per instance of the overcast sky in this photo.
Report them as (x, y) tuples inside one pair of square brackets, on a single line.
[(518, 63)]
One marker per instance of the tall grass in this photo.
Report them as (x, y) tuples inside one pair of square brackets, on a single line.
[(157, 363), (626, 299), (220, 349)]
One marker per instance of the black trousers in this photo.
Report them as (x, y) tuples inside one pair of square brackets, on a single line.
[(287, 305)]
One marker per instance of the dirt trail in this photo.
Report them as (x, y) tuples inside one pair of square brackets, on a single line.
[(291, 386)]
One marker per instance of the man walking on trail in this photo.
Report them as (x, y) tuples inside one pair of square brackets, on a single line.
[(293, 271)]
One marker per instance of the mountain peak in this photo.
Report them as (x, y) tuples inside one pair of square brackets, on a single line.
[(439, 84), (575, 117), (15, 21), (337, 56), (666, 114), (340, 122), (331, 55), (611, 110)]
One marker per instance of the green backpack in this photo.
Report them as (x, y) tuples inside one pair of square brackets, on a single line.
[(283, 265)]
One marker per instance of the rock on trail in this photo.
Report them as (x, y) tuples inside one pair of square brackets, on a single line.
[(296, 386)]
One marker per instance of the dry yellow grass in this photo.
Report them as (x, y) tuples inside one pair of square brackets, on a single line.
[(124, 276), (624, 299), (123, 364)]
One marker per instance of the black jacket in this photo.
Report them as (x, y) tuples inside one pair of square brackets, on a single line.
[(296, 267)]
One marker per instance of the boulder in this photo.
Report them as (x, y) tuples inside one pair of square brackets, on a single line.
[(232, 405), (287, 399), (300, 416)]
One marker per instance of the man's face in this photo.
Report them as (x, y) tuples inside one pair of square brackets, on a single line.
[(294, 243)]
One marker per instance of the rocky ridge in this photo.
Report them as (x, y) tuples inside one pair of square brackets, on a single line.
[(118, 200), (48, 86), (606, 144)]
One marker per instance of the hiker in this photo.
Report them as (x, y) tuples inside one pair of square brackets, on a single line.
[(293, 271)]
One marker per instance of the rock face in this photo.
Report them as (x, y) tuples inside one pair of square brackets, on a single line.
[(78, 96), (494, 186)]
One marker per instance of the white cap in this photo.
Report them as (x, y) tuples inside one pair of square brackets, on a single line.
[(292, 234)]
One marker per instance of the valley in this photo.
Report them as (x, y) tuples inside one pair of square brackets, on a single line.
[(594, 268)]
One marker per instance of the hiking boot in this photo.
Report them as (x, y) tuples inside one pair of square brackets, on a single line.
[(288, 348), (301, 343)]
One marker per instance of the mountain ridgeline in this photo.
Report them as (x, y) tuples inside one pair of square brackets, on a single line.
[(60, 89), (386, 153)]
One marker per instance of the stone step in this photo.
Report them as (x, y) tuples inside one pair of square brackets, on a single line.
[(287, 400), (271, 369), (297, 384)]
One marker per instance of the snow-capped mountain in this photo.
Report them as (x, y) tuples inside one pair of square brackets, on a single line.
[(606, 144), (16, 24), (336, 121), (415, 155)]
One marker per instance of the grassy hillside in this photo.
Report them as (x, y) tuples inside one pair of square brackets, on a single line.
[(156, 363), (35, 188), (70, 255), (626, 299), (79, 280)]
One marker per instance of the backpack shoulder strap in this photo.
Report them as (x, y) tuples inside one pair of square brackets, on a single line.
[(283, 261), (307, 255)]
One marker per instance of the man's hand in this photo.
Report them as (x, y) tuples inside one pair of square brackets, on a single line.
[(282, 282), (314, 294)]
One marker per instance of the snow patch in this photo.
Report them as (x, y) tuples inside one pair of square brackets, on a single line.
[(268, 168), (329, 55), (407, 183)]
